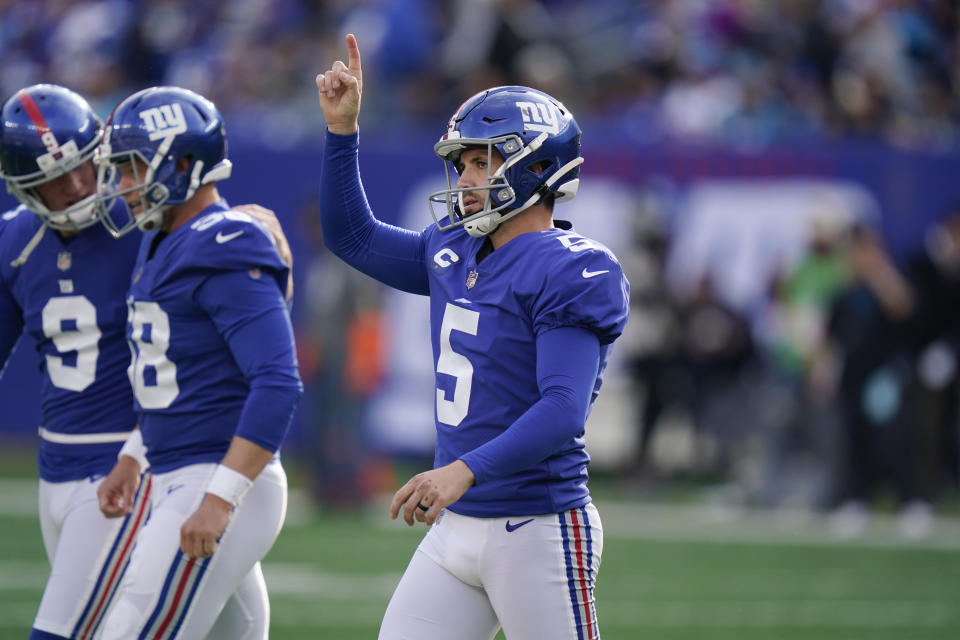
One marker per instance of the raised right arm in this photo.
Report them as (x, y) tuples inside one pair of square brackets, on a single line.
[(392, 255)]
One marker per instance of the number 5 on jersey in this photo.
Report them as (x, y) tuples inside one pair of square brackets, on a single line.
[(451, 363), (153, 376)]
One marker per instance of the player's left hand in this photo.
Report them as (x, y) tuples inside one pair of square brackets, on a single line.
[(268, 219), (434, 490), (200, 532)]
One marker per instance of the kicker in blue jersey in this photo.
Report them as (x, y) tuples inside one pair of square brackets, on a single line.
[(190, 288), (523, 312), (68, 294)]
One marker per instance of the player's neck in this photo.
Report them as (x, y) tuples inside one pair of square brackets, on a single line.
[(536, 218), (180, 214)]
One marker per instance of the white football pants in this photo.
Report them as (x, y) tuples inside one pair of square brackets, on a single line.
[(88, 555), (168, 595), (532, 575)]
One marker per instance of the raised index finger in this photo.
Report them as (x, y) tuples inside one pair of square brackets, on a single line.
[(353, 53)]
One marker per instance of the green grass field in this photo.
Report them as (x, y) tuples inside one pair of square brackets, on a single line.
[(669, 573)]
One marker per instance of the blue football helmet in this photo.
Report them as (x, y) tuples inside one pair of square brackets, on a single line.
[(539, 141), (46, 132), (148, 134)]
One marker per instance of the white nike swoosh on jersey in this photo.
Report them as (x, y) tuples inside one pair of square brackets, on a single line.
[(590, 274), (227, 238)]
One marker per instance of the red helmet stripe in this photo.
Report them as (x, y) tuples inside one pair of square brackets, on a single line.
[(34, 112)]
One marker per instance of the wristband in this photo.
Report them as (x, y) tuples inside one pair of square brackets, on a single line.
[(135, 448), (229, 484)]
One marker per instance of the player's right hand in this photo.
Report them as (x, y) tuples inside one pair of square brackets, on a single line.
[(117, 490), (201, 531), (426, 494), (339, 89)]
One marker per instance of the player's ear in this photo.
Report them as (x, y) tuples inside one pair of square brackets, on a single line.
[(183, 164)]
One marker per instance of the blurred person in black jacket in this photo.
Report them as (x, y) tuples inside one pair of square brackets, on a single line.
[(867, 342), (934, 273)]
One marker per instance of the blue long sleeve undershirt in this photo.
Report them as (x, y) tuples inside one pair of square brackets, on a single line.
[(393, 255), (251, 316)]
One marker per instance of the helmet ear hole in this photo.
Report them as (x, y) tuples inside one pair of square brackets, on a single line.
[(540, 167)]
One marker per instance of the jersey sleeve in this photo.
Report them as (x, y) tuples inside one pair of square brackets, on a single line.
[(250, 313), (590, 292), (231, 241), (390, 254)]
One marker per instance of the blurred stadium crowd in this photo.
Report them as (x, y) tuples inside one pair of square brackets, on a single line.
[(840, 390), (847, 379), (745, 71)]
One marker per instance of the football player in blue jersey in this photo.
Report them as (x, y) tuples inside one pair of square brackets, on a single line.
[(56, 285), (523, 311), (214, 374)]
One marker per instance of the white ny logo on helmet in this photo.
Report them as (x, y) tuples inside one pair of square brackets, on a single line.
[(165, 121), (539, 116)]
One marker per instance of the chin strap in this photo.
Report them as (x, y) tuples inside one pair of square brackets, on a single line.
[(27, 250)]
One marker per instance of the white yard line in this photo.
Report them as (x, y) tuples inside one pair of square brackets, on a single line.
[(643, 521), (15, 575), (723, 524), (297, 579), (18, 497)]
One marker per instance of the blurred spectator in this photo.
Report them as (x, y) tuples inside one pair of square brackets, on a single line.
[(716, 348), (867, 340), (340, 340), (651, 337), (935, 275), (797, 424)]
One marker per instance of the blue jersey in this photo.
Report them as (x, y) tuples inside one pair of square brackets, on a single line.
[(485, 320), (205, 364), (492, 324), (69, 295)]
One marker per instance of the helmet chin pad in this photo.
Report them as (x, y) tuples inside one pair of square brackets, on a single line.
[(75, 217), (484, 226)]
